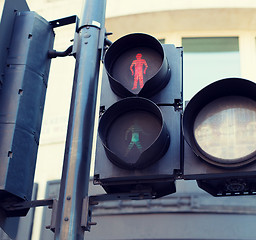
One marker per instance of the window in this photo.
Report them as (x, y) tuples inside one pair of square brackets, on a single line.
[(207, 60)]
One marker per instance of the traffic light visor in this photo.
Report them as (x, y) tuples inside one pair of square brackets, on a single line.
[(133, 133), (136, 65), (219, 123)]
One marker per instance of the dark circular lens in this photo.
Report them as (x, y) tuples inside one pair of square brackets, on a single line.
[(132, 133), (225, 129)]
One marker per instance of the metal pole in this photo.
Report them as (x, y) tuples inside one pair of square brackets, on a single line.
[(78, 150)]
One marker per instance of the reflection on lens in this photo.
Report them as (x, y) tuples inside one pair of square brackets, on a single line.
[(225, 129)]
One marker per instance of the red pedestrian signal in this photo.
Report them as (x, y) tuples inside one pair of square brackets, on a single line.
[(140, 67), (137, 65)]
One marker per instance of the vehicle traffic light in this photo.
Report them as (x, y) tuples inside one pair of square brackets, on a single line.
[(219, 126), (22, 99), (138, 145)]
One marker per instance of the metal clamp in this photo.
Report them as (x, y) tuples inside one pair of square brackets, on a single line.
[(22, 208), (90, 202)]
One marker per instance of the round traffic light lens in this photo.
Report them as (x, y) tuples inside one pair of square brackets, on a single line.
[(132, 133), (225, 129), (136, 66)]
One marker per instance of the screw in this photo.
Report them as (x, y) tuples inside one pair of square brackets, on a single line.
[(92, 223)]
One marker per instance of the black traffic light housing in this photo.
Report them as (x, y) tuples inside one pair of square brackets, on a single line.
[(151, 91), (22, 98), (222, 169)]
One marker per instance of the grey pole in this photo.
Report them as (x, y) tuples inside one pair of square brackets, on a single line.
[(78, 150)]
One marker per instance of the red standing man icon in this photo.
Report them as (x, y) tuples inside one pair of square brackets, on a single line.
[(138, 67)]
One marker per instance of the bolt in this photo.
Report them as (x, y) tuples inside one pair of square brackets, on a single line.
[(66, 219), (92, 223), (87, 35)]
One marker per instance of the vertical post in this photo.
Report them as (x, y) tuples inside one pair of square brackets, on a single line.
[(78, 150)]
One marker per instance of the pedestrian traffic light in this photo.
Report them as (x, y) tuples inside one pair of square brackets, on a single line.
[(21, 104), (219, 126), (138, 145)]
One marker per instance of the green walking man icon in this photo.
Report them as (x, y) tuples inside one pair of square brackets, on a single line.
[(135, 138)]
